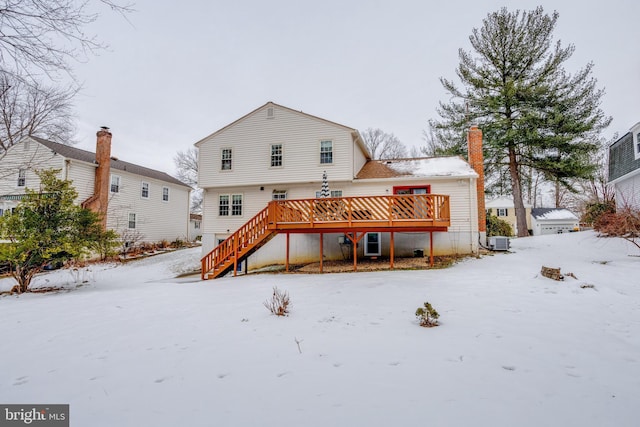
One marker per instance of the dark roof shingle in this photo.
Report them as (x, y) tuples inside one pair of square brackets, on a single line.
[(89, 157)]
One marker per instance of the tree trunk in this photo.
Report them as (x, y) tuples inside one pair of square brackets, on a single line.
[(521, 213)]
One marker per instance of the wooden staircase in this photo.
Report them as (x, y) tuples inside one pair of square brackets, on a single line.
[(236, 248)]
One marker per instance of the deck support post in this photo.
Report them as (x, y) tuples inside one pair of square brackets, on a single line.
[(391, 251), (235, 257), (431, 248), (321, 249), (354, 242), (286, 263)]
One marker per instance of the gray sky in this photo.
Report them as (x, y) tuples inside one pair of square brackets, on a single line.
[(178, 71)]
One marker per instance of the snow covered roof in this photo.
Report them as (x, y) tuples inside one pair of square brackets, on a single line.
[(502, 202), (553, 214), (420, 168)]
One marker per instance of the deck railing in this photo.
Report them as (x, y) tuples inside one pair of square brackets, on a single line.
[(388, 211), (407, 212)]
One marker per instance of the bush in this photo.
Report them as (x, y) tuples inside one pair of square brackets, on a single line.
[(427, 315), (594, 211), (498, 227), (279, 303), (624, 223)]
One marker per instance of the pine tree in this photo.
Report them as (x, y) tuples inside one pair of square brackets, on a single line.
[(46, 227), (534, 115)]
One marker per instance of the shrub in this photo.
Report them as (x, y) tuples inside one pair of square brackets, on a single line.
[(279, 303), (498, 227), (624, 223), (427, 315), (594, 211)]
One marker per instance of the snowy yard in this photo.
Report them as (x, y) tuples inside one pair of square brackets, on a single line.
[(136, 347)]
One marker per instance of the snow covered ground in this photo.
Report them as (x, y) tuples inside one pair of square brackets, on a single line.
[(136, 347)]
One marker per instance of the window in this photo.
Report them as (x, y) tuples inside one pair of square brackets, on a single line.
[(326, 152), (276, 155), (372, 244), (132, 220), (421, 189), (279, 195), (1, 211), (226, 159), (230, 204), (333, 193), (165, 194), (22, 178), (27, 145), (236, 204), (196, 225), (115, 184), (223, 205), (637, 144), (144, 193), (502, 212)]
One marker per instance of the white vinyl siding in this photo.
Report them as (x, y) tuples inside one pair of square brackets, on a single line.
[(251, 139)]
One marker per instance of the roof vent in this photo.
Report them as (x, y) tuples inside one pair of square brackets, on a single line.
[(270, 113), (114, 158)]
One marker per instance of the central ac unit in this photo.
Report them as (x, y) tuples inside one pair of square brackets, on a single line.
[(499, 243)]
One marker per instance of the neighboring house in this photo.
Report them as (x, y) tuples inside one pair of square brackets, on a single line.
[(195, 227), (624, 168), (269, 165), (553, 221), (503, 208), (140, 204)]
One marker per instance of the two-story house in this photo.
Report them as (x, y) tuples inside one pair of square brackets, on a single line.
[(624, 168), (140, 204), (263, 173)]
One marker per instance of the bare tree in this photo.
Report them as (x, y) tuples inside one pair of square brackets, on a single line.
[(383, 145), (187, 171), (34, 109), (44, 36)]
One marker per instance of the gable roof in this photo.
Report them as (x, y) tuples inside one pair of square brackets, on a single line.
[(354, 133), (428, 167), (89, 157), (553, 214), (502, 202)]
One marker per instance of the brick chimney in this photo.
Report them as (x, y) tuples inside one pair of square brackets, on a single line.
[(476, 160), (99, 201)]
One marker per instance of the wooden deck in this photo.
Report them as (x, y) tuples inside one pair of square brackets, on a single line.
[(352, 216)]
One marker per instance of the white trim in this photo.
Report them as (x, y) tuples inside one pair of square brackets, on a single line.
[(142, 196), (135, 221), (333, 160), (222, 159), (119, 183), (281, 155), (366, 244)]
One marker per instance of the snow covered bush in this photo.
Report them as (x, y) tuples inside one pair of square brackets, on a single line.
[(427, 315), (279, 303)]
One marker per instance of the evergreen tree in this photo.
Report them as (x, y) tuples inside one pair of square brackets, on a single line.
[(534, 115), (45, 228)]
